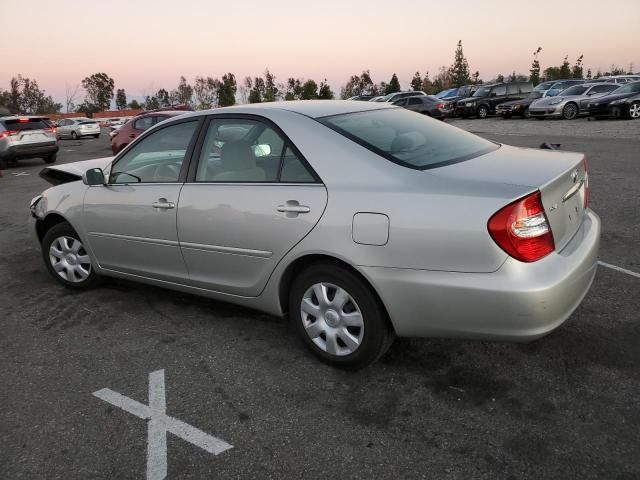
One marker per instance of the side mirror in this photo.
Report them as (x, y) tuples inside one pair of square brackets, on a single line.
[(93, 177)]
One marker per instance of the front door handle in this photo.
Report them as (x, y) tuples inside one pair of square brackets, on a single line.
[(163, 204)]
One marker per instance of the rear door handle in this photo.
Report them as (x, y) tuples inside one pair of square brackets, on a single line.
[(163, 205), (293, 207)]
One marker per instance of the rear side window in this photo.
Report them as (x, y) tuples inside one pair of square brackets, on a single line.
[(500, 90), (414, 101), (143, 123), (512, 89), (526, 88), (18, 126), (411, 140)]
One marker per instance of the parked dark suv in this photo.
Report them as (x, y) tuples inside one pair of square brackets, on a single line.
[(484, 100)]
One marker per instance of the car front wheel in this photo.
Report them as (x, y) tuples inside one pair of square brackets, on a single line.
[(67, 259), (634, 111), (338, 316), (570, 111), (50, 158), (483, 112)]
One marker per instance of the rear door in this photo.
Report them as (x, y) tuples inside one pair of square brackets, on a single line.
[(252, 197), (415, 104)]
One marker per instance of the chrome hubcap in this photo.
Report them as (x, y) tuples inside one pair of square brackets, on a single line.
[(332, 319), (634, 110), (69, 259)]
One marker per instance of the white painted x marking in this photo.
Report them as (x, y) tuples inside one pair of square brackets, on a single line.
[(21, 174), (159, 424)]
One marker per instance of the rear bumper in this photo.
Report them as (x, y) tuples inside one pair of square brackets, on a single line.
[(519, 302), (29, 151)]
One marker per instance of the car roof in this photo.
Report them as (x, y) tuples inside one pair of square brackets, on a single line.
[(30, 117), (309, 108), (168, 113)]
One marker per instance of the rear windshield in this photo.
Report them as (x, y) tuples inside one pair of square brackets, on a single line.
[(32, 124), (409, 138), (87, 123)]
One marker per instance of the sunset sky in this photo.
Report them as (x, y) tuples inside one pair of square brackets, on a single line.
[(147, 44)]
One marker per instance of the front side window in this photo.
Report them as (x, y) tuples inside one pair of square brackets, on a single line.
[(156, 158), (243, 150), (500, 90), (512, 89), (414, 101), (403, 137)]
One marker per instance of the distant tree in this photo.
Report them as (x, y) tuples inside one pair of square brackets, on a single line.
[(499, 78), (416, 82), (256, 88), (459, 71), (14, 94), (151, 102), (183, 94), (134, 105), (88, 109), (121, 99), (393, 86), (72, 93), (577, 69), (293, 89), (359, 85), (99, 87), (630, 71), (588, 74), (163, 98), (227, 90), (206, 92), (614, 70), (475, 78), (565, 68), (324, 92), (309, 90), (270, 87), (25, 97), (427, 85), (534, 72)]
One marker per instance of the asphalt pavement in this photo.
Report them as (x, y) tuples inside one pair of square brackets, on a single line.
[(563, 407)]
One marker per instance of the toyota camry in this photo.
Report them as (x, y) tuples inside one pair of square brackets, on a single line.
[(359, 221)]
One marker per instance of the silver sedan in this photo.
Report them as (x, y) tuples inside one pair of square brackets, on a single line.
[(360, 221), (572, 102)]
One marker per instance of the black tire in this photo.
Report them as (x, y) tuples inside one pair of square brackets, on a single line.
[(96, 135), (482, 112), (570, 111), (64, 230), (378, 333), (4, 164), (74, 136), (51, 158), (632, 111), (526, 113)]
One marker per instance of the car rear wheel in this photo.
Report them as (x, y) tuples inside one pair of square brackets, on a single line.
[(50, 158), (67, 259), (570, 111), (338, 316), (634, 111), (483, 112), (74, 136)]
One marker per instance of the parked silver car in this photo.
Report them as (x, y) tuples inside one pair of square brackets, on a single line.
[(572, 102), (360, 220), (27, 137), (75, 128)]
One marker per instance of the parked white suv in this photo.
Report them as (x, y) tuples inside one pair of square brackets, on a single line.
[(27, 137)]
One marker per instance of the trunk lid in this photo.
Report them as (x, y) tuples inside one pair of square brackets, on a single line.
[(560, 177)]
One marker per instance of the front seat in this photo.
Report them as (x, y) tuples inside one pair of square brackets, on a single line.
[(238, 164)]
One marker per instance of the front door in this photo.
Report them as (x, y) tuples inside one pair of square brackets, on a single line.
[(131, 222), (252, 199)]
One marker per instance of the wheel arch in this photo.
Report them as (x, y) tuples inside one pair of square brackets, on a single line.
[(45, 224), (303, 262)]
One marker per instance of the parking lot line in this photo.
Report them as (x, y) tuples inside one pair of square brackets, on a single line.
[(159, 424), (619, 269)]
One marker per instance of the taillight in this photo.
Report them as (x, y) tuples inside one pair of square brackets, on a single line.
[(441, 106), (522, 230), (50, 130), (586, 181), (8, 133)]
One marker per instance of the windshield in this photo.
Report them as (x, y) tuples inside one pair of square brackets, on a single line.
[(629, 88), (482, 92), (575, 90), (544, 86), (408, 138), (535, 94)]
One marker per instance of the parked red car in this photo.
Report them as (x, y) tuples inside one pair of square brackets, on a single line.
[(134, 127)]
